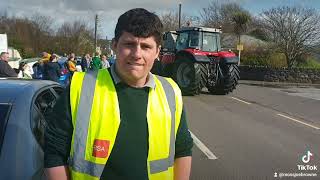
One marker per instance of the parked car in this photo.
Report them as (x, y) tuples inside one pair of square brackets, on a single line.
[(23, 106)]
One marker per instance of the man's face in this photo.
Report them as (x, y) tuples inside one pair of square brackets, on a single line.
[(44, 54), (5, 57), (135, 56)]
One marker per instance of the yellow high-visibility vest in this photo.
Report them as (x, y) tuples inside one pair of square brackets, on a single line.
[(96, 119)]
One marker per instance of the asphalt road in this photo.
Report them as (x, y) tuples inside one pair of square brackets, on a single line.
[(254, 133)]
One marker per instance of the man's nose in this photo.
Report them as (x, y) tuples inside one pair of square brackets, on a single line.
[(137, 52)]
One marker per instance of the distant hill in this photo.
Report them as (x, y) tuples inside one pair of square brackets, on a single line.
[(231, 41)]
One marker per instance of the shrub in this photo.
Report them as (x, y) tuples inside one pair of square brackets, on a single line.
[(310, 63), (263, 55)]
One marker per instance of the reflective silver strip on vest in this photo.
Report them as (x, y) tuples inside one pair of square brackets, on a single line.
[(161, 165), (78, 162)]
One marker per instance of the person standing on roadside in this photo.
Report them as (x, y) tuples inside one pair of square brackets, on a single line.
[(24, 71), (122, 122), (72, 64), (104, 61), (5, 69), (85, 62), (96, 63), (52, 70)]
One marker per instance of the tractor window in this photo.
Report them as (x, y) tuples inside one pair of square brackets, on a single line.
[(194, 40), (182, 41), (218, 40), (211, 42), (164, 37)]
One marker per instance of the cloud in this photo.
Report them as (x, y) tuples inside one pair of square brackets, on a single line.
[(109, 10), (69, 10)]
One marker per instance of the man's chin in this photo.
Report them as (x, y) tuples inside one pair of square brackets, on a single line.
[(135, 75)]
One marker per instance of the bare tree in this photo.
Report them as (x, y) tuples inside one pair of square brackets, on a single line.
[(170, 20), (75, 37), (293, 30), (34, 35), (220, 14), (19, 31), (42, 30)]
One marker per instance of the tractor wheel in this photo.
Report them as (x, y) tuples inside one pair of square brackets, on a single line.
[(157, 68), (228, 82), (191, 77)]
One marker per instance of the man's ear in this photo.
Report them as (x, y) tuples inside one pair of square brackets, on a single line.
[(114, 45), (159, 49)]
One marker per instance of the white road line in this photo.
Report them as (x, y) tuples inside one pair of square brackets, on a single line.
[(240, 100), (203, 147), (315, 127)]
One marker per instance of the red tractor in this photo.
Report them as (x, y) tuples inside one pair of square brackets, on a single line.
[(192, 56)]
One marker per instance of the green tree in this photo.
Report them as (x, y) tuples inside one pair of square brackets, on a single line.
[(241, 20)]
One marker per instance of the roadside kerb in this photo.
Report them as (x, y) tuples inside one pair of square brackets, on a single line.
[(277, 84)]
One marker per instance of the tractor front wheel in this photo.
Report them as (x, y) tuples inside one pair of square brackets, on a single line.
[(228, 77), (190, 76)]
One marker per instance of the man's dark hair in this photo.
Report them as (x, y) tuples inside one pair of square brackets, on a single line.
[(3, 53), (140, 23)]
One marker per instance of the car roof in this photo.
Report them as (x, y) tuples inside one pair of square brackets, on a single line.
[(11, 88)]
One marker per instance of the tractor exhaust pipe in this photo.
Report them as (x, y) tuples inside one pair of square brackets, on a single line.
[(179, 15)]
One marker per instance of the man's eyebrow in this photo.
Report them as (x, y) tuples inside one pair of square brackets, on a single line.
[(129, 39)]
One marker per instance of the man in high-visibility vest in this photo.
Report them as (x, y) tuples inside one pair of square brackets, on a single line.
[(122, 122)]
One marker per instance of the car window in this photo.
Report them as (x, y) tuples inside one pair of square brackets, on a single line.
[(42, 106), (58, 90), (44, 101), (4, 116)]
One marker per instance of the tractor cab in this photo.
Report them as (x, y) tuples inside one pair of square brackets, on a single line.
[(200, 38)]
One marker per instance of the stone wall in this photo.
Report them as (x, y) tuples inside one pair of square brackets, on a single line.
[(294, 75)]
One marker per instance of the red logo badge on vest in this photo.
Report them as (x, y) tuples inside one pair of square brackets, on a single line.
[(100, 148)]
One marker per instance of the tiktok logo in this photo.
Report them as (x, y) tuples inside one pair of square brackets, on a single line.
[(306, 158)]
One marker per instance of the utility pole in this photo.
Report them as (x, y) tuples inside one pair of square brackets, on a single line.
[(179, 15), (95, 32)]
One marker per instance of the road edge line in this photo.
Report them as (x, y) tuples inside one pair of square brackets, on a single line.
[(306, 124), (203, 147), (240, 100)]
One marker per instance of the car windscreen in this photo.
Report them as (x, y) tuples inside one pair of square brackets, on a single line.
[(4, 116)]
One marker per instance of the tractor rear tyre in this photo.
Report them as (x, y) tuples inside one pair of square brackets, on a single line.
[(190, 76), (228, 82)]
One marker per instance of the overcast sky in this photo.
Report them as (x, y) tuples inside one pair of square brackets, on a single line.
[(109, 10)]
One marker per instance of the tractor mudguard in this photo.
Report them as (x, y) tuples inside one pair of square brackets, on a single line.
[(200, 58), (230, 60)]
